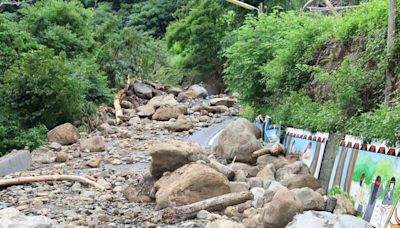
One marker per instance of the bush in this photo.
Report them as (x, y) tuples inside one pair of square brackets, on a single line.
[(40, 89), (13, 136)]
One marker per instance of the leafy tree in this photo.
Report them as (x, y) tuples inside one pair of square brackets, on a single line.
[(13, 42), (128, 52), (40, 89), (196, 38), (151, 16), (61, 25)]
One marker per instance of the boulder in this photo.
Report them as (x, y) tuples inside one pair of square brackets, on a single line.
[(95, 144), (171, 154), (189, 184), (61, 157), (278, 162), (226, 170), (145, 111), (250, 171), (94, 162), (215, 109), (175, 91), (134, 195), (183, 123), (296, 168), (267, 173), (224, 223), (168, 112), (326, 219), (65, 134), (301, 181), (238, 186), (311, 200), (143, 90), (126, 105), (276, 186), (164, 100), (55, 146), (239, 139), (344, 206), (196, 91), (281, 210), (330, 204), (11, 217), (225, 101), (258, 194)]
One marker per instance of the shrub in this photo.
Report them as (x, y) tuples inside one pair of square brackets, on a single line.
[(40, 89)]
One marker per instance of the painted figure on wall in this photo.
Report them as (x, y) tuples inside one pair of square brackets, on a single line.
[(387, 201), (315, 160), (307, 152), (376, 190), (293, 148), (360, 197)]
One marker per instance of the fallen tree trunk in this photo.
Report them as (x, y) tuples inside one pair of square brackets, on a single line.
[(275, 150), (27, 180), (117, 101), (218, 203)]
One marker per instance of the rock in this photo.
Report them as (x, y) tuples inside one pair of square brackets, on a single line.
[(268, 196), (175, 91), (133, 195), (281, 210), (168, 112), (311, 200), (249, 223), (16, 161), (189, 184), (11, 217), (143, 90), (164, 100), (258, 200), (276, 186), (104, 183), (239, 139), (65, 134), (55, 146), (126, 104), (95, 144), (61, 157), (278, 162), (215, 109), (325, 219), (225, 101), (203, 214), (224, 223), (226, 170), (183, 123), (145, 111), (301, 181), (255, 182), (94, 162), (196, 91), (238, 186), (171, 154), (240, 176), (330, 204), (267, 173), (344, 206), (250, 171), (296, 168), (321, 191)]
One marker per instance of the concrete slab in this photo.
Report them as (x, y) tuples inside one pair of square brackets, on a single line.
[(16, 161)]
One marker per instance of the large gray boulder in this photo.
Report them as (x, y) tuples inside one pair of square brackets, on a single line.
[(225, 101), (171, 154), (189, 184), (168, 112), (281, 210), (183, 123), (311, 200), (326, 219), (163, 100), (10, 217), (145, 111), (301, 181), (239, 139), (143, 90), (277, 161), (196, 91), (64, 134), (296, 168)]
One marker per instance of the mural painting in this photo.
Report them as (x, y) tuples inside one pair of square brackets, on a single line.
[(270, 132), (371, 175), (308, 147)]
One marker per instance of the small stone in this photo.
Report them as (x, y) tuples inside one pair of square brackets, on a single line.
[(55, 146), (61, 157), (203, 214), (94, 162), (104, 183)]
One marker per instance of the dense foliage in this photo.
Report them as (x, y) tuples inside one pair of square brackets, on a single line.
[(322, 73)]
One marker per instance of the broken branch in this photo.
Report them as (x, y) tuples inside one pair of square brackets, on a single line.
[(27, 180), (117, 101), (218, 203)]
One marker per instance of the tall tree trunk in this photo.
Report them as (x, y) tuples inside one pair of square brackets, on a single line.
[(390, 42)]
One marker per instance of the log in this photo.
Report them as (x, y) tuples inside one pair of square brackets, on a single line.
[(117, 101), (276, 150), (27, 180), (218, 203)]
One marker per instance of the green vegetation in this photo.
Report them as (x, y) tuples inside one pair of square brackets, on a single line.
[(337, 190)]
